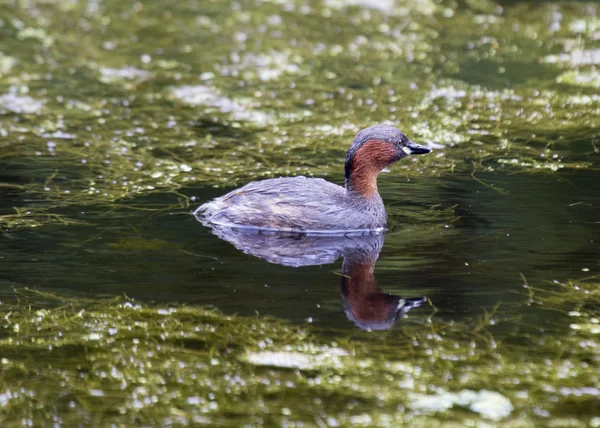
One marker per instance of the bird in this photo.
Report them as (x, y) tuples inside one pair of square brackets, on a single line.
[(314, 205)]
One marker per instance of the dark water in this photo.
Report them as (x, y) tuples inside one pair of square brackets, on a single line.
[(471, 256)]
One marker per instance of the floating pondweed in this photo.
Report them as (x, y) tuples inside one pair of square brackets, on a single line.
[(155, 359)]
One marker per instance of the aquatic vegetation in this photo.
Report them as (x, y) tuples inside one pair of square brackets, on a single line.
[(119, 107), (6, 63), (239, 110), (123, 361), (131, 136), (580, 78), (34, 218), (489, 404), (14, 103)]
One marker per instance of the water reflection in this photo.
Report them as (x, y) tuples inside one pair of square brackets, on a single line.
[(364, 302)]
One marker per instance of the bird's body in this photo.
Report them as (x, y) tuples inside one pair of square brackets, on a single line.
[(296, 204), (312, 204)]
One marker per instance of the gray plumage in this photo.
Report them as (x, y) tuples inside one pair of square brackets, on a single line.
[(296, 204)]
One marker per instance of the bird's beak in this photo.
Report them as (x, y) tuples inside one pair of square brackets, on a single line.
[(415, 149)]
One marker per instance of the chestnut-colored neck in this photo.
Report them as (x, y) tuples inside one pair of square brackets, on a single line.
[(363, 296), (359, 279), (363, 168)]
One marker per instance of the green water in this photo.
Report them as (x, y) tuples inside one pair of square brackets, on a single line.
[(118, 308)]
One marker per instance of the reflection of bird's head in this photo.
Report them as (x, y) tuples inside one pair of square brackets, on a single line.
[(379, 311), (364, 303)]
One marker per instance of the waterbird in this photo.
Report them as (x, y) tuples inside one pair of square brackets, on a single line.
[(314, 205)]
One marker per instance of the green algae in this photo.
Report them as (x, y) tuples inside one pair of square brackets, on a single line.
[(299, 77), (142, 244), (580, 78), (35, 218), (116, 360)]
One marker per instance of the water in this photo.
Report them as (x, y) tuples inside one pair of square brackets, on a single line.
[(478, 306), (540, 228)]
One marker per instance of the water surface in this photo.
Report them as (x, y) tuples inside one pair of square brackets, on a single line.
[(119, 118)]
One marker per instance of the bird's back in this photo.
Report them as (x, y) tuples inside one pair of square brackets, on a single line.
[(295, 203)]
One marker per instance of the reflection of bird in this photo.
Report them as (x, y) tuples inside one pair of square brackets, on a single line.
[(294, 248), (313, 204), (365, 304)]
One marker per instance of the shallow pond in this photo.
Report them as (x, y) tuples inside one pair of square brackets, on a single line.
[(478, 307)]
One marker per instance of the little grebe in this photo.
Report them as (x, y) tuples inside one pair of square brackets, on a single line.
[(313, 205)]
